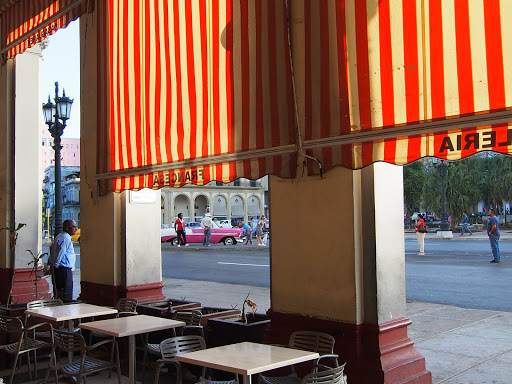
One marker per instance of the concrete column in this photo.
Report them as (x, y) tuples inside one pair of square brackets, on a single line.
[(21, 176), (120, 244), (345, 277)]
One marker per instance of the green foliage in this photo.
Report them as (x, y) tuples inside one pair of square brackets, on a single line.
[(486, 177), (414, 182)]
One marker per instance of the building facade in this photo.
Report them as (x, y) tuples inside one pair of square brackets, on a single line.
[(237, 201)]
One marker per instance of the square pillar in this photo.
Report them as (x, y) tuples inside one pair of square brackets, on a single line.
[(338, 266)]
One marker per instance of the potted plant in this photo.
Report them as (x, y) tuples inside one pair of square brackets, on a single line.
[(237, 328), (13, 230)]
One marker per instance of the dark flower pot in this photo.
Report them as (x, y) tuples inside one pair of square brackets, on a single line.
[(232, 329)]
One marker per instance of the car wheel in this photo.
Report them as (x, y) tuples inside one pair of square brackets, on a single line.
[(229, 241), (174, 241)]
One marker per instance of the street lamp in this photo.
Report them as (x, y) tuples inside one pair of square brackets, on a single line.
[(52, 113), (442, 166)]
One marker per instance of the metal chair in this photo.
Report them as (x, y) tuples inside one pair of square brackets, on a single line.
[(192, 319), (84, 365), (25, 344), (125, 307), (173, 346), (313, 341), (323, 374)]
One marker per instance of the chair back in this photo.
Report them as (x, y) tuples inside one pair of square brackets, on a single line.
[(326, 376), (9, 324), (189, 317), (44, 303), (181, 344), (68, 341), (126, 305), (312, 341)]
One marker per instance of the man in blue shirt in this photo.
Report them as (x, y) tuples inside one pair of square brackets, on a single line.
[(63, 260), (493, 231), (465, 224)]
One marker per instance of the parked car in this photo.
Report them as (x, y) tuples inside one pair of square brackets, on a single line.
[(76, 236), (228, 236), (224, 223)]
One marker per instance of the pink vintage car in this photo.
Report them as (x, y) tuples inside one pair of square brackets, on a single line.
[(228, 236)]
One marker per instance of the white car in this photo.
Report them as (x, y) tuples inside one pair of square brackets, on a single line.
[(224, 223)]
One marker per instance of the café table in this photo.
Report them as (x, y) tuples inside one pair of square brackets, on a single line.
[(131, 326), (69, 313), (247, 358)]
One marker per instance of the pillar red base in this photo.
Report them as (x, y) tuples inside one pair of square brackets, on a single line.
[(375, 353), (104, 294), (24, 288)]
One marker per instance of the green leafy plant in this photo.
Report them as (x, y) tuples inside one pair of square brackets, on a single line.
[(35, 264), (13, 230)]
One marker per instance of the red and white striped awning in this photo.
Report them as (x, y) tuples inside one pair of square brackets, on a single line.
[(397, 80), (193, 91), (27, 22)]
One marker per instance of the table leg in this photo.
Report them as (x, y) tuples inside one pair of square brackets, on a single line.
[(71, 327), (131, 363), (247, 379)]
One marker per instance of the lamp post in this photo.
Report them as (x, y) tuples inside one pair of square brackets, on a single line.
[(53, 115), (442, 167)]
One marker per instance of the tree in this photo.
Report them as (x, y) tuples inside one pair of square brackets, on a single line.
[(414, 182)]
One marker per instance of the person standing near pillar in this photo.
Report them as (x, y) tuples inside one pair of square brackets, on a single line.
[(63, 260), (207, 224), (179, 227), (420, 233), (493, 231)]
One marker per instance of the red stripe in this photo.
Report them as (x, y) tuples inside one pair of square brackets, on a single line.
[(342, 68), (158, 91), (270, 45), (325, 80), (147, 84), (216, 48), (127, 105), (192, 97), (112, 88), (206, 96), (495, 70), (179, 97), (168, 82), (229, 80), (138, 107), (386, 78), (437, 67), (412, 80), (464, 64), (308, 102), (278, 163), (363, 69), (244, 55)]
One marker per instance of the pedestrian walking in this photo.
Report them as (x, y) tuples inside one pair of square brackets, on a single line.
[(207, 224), (493, 231), (420, 233), (465, 224), (179, 227), (265, 231), (248, 232), (63, 260), (259, 231)]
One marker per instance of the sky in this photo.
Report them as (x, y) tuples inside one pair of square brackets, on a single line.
[(61, 63)]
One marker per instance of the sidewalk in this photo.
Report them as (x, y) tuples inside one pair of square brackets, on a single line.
[(505, 235)]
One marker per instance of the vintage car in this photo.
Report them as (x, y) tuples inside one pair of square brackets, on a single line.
[(228, 236)]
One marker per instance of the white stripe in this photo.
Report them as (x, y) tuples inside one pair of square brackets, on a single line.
[(249, 265)]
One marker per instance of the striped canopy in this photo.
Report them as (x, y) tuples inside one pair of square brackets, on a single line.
[(25, 23), (194, 91)]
